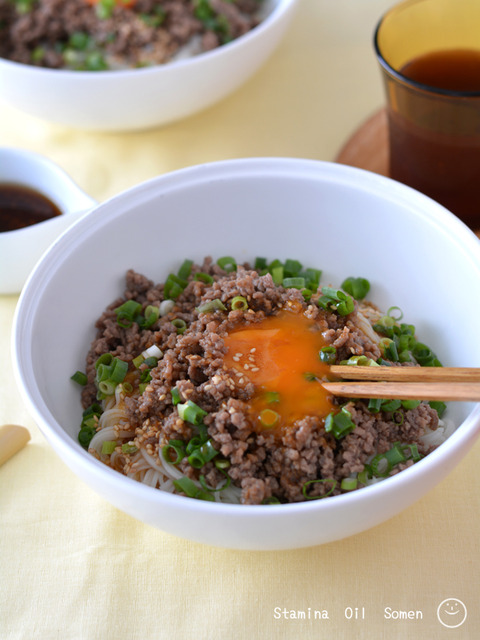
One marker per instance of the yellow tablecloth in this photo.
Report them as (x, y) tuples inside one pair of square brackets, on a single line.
[(73, 567)]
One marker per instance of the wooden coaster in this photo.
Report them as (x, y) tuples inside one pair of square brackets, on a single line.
[(368, 148)]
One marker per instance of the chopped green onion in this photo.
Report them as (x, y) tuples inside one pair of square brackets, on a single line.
[(127, 312), (269, 418), (105, 358), (277, 275), (190, 489), (349, 484), (293, 282), (260, 264), (360, 361), (339, 424), (106, 387), (311, 482), (191, 412), (185, 269), (119, 370), (239, 303), (328, 354), (271, 500), (211, 306), (391, 405), (336, 300), (307, 294), (312, 278), (227, 263), (410, 404), (292, 267), (180, 325), (151, 315), (203, 277), (165, 307), (88, 427), (222, 464), (396, 317), (383, 463), (364, 475), (425, 356), (203, 454), (175, 396), (272, 397), (375, 405), (80, 378), (226, 484), (108, 447), (439, 406), (173, 286), (129, 448), (139, 360), (174, 451), (356, 287)]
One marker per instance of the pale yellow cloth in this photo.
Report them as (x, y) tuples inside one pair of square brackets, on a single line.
[(74, 567)]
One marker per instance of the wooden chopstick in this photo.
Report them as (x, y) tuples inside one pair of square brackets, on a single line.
[(407, 383), (407, 374)]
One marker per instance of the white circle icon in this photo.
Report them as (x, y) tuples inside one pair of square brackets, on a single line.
[(452, 613)]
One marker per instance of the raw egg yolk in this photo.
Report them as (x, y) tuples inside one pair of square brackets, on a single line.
[(280, 356)]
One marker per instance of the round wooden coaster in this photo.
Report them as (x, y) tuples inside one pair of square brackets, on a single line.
[(368, 146)]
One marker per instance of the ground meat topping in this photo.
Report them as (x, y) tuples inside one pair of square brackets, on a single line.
[(290, 463)]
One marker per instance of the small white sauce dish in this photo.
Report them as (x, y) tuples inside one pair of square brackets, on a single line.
[(21, 248)]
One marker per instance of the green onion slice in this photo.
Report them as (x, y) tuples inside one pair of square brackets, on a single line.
[(190, 489), (191, 412), (311, 482), (174, 451), (211, 306), (227, 263), (80, 378), (339, 424), (203, 277), (239, 303), (108, 447), (180, 325)]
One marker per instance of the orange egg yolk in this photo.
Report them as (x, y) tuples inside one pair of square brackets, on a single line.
[(280, 356)]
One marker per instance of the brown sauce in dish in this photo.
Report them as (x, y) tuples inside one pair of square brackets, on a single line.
[(22, 207)]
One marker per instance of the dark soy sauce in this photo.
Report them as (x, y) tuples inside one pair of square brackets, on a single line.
[(22, 207)]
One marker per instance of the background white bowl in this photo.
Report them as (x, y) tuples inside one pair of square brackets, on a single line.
[(345, 221), (146, 97)]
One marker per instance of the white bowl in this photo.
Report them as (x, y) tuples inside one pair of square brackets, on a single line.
[(343, 220), (146, 97), (21, 248)]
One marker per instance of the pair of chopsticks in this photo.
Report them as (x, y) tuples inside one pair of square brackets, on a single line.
[(407, 383)]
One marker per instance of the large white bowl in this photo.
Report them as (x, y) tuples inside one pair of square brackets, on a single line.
[(146, 97), (345, 221)]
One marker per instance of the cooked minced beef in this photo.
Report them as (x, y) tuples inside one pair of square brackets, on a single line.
[(263, 463), (97, 35)]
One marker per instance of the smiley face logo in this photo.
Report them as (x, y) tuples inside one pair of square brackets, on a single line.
[(452, 613)]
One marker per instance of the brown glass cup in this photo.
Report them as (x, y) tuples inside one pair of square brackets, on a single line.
[(434, 133)]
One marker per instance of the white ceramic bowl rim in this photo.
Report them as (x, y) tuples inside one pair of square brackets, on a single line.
[(105, 213), (278, 9)]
